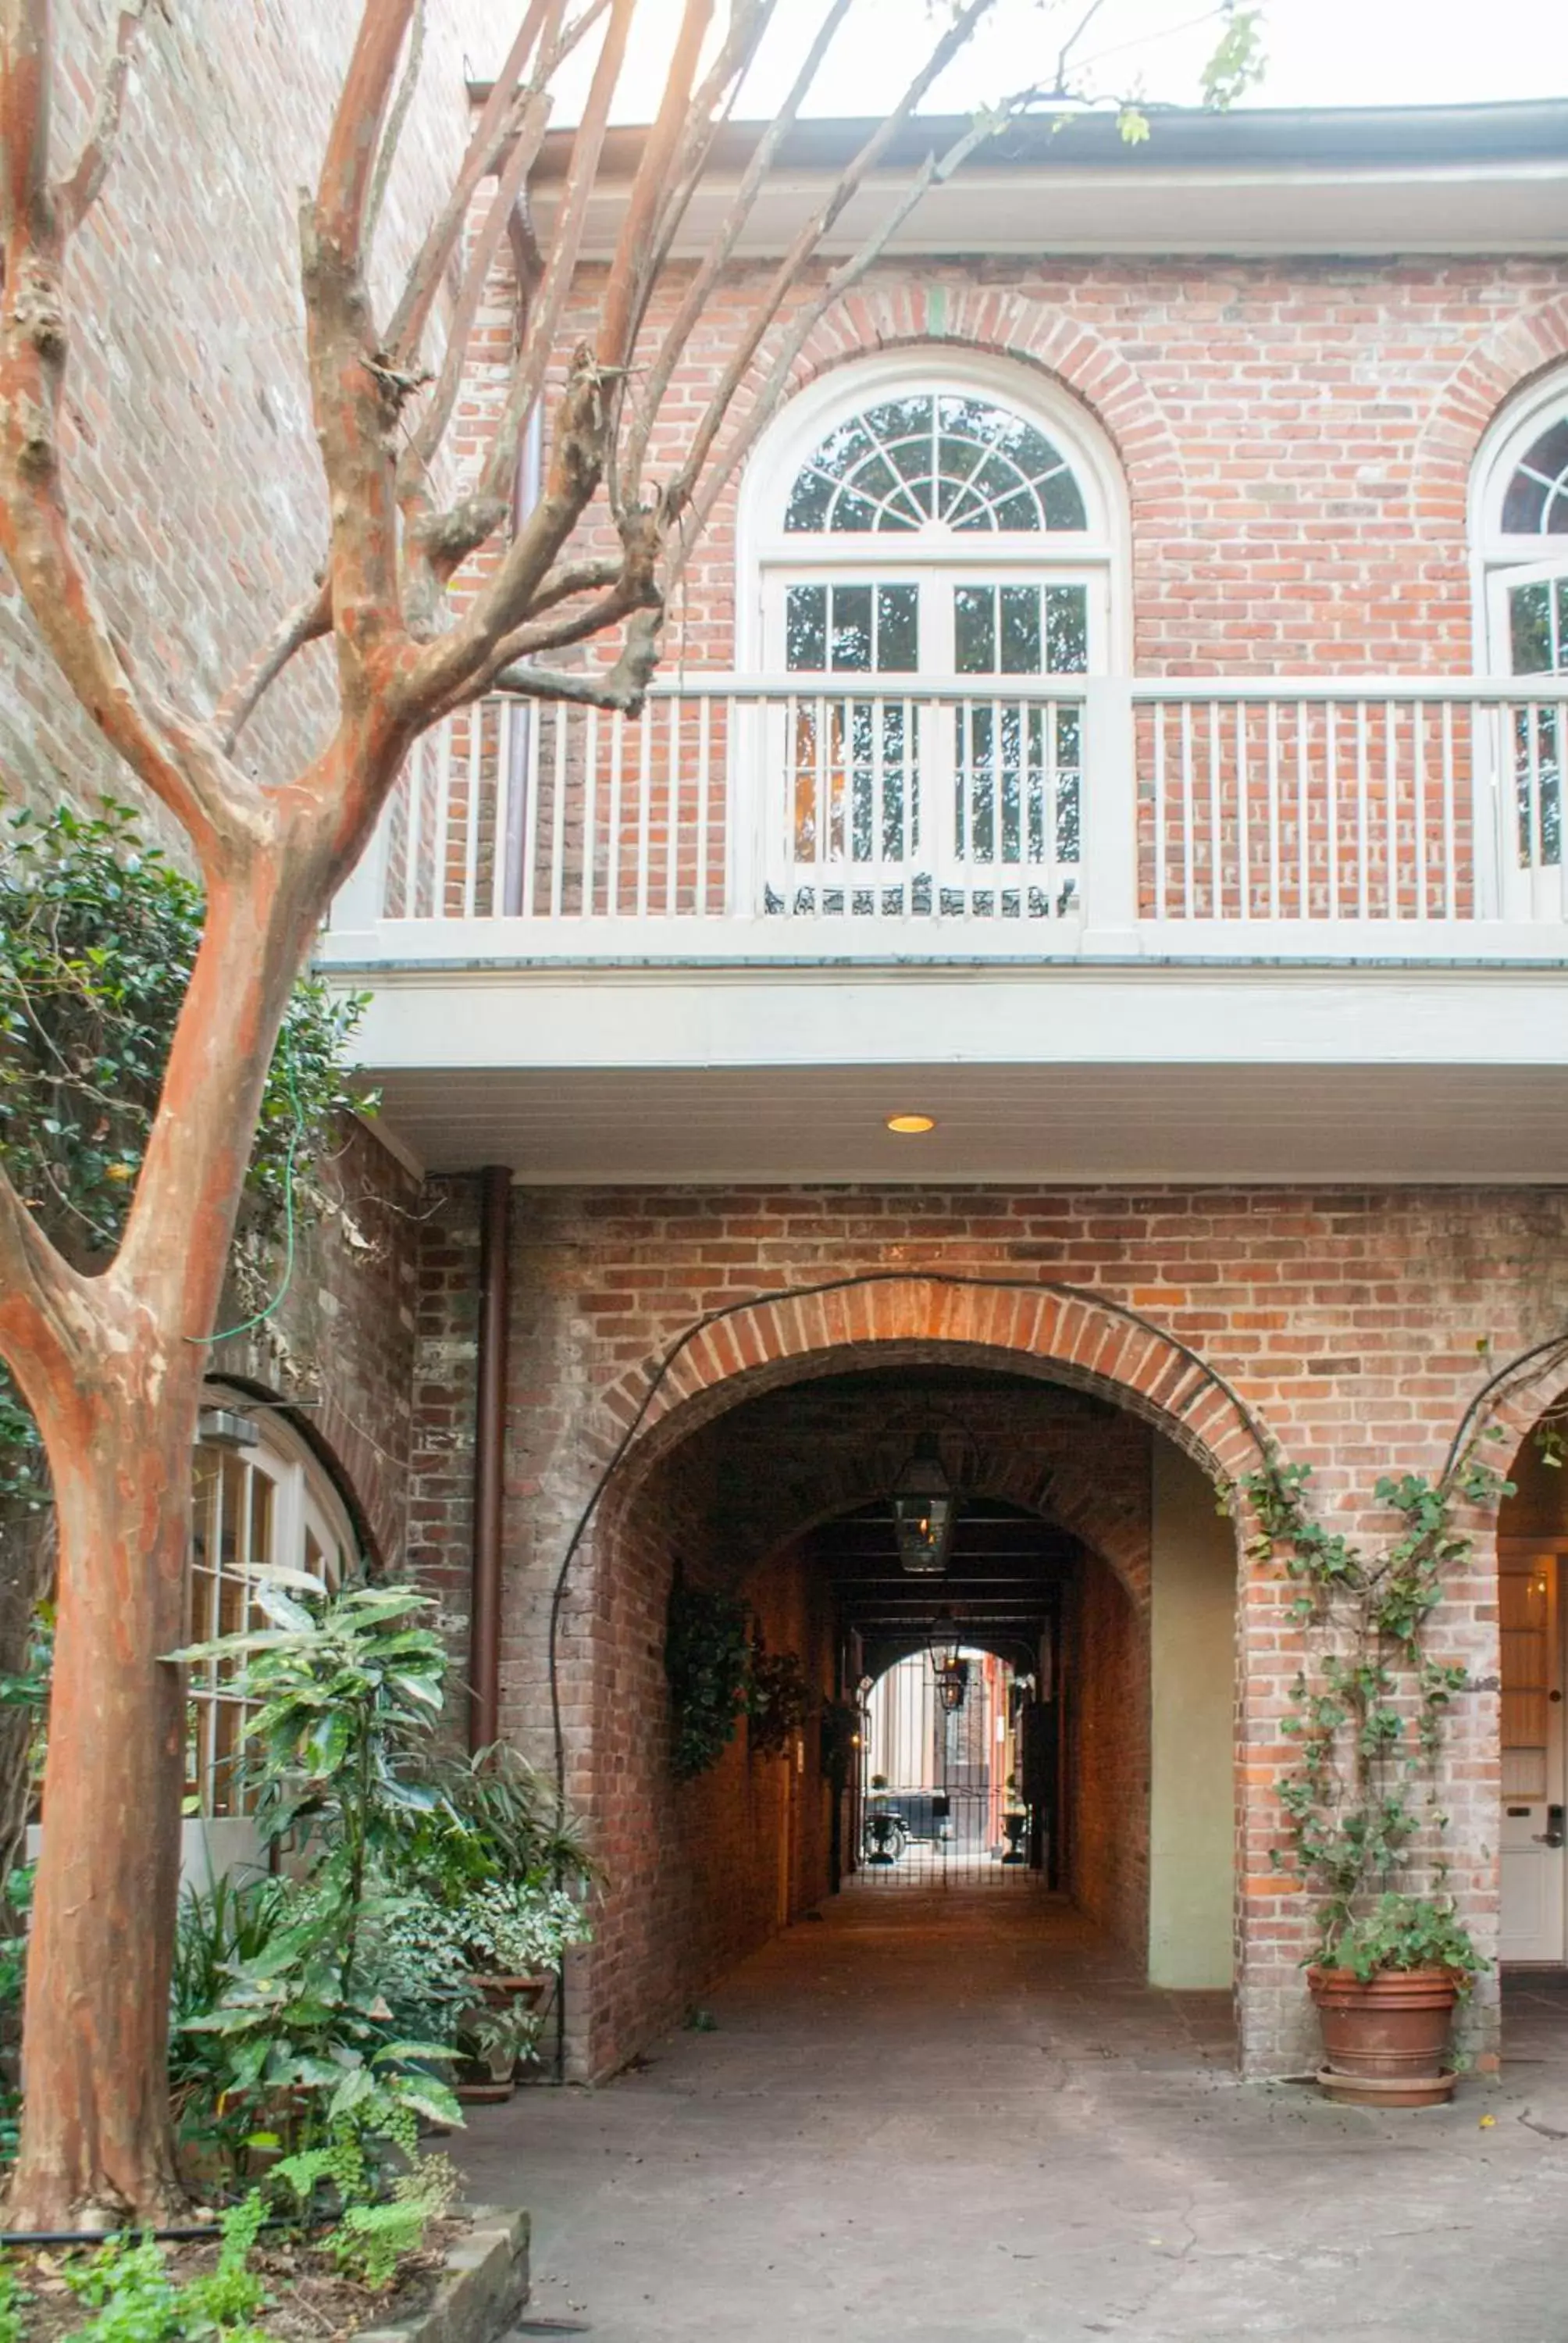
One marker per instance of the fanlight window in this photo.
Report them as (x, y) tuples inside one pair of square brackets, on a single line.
[(1535, 501), (955, 460)]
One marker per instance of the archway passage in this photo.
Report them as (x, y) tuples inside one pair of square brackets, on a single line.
[(1089, 1598)]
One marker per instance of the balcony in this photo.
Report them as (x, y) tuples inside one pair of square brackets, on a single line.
[(761, 821), (1111, 929)]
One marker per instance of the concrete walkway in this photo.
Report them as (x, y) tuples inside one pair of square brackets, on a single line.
[(944, 2119)]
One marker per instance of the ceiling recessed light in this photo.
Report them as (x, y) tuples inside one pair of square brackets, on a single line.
[(906, 1125)]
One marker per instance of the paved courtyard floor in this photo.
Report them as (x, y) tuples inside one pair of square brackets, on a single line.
[(953, 2119)]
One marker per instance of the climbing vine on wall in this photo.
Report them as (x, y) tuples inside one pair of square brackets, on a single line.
[(1363, 1827), (720, 1669)]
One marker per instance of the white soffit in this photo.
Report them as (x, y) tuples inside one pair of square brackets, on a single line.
[(1484, 1126)]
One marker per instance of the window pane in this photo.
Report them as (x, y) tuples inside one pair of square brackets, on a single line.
[(1067, 629), (806, 629), (974, 629), (1021, 631), (970, 463), (1536, 504), (852, 629), (1529, 627), (898, 630)]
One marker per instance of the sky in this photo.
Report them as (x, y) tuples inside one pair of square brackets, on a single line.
[(1319, 52)]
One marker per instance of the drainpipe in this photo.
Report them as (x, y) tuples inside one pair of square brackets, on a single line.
[(490, 1456), (527, 483)]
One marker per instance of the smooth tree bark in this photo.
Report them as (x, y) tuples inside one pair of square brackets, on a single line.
[(112, 1364)]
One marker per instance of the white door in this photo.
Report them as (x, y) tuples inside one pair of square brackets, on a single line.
[(1532, 1733), (916, 779), (1529, 623)]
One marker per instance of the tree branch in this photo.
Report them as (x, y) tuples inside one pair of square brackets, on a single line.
[(348, 165), (76, 195), (719, 252), (409, 319), (41, 1320), (806, 242), (217, 805), (308, 622), (622, 688), (395, 120)]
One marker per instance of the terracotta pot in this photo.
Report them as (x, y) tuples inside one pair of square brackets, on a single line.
[(1385, 2041), (498, 1990)]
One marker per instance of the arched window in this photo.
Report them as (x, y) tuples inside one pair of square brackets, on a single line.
[(1519, 528), (932, 543), (261, 1499)]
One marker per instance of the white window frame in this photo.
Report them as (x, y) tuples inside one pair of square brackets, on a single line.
[(1500, 559), (767, 557), (304, 1507)]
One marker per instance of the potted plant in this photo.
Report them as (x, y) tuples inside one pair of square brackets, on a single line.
[(1386, 1983), (884, 1828), (1014, 1823)]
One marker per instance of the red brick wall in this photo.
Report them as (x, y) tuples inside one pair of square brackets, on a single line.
[(1293, 434), (1347, 1322)]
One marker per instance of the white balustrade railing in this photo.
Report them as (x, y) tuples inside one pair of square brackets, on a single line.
[(1060, 817)]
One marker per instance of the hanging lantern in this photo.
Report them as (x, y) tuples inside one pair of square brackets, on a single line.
[(924, 1509), (952, 1673)]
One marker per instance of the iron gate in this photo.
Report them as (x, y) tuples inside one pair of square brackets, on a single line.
[(941, 1789)]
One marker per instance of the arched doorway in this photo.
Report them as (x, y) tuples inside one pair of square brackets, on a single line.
[(1094, 1586)]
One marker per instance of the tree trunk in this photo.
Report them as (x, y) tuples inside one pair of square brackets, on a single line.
[(96, 2140)]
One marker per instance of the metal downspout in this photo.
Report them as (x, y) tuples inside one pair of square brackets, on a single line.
[(489, 1455)]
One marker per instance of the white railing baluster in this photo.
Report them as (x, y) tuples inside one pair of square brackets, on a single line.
[(704, 782), (470, 894), (559, 811), (1303, 815), (1363, 815), (1243, 824), (672, 736), (1159, 719), (1450, 846), (1189, 861), (1216, 819), (644, 804), (1276, 812), (590, 816), (1331, 801), (617, 834), (854, 804), (1391, 796)]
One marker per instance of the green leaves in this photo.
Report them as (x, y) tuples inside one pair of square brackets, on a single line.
[(707, 1661), (1368, 1713), (98, 936)]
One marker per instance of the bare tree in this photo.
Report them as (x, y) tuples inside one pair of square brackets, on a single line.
[(112, 1364)]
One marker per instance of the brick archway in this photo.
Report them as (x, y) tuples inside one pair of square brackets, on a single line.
[(1061, 1332), (1505, 362), (905, 314)]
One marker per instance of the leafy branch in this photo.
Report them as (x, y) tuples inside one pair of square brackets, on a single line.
[(1370, 1704)]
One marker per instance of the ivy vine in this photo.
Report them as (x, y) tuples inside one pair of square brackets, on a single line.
[(98, 936), (719, 1670), (1362, 1823)]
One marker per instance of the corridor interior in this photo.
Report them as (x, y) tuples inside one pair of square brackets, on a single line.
[(1043, 1705)]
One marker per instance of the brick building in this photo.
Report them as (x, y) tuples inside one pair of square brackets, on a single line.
[(1099, 724), (1112, 726)]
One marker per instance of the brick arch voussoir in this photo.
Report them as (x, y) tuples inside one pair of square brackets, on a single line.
[(1012, 325), (1061, 1334), (1510, 358)]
